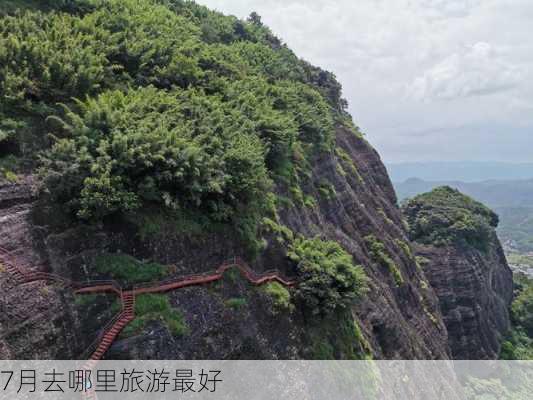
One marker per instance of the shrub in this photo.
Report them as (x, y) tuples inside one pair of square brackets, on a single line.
[(380, 255), (338, 336), (280, 295), (50, 57), (153, 307), (124, 151), (150, 43), (405, 248), (127, 268), (329, 279), (518, 344), (176, 107), (236, 303)]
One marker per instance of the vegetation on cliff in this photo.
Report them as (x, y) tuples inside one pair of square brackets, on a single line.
[(136, 105), (519, 342), (153, 111), (330, 279), (446, 216)]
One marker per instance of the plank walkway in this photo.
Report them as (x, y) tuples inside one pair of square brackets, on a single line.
[(113, 328)]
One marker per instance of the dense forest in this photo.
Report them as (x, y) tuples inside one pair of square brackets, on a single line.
[(126, 104), (160, 112)]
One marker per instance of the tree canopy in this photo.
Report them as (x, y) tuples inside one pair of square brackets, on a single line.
[(127, 104), (445, 216)]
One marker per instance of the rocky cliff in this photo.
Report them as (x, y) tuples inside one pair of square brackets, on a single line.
[(397, 318), (206, 140), (465, 264)]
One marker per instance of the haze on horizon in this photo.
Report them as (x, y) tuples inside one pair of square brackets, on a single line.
[(427, 80)]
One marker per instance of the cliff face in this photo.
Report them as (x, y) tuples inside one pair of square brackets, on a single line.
[(220, 143), (397, 318), (466, 267), (475, 291)]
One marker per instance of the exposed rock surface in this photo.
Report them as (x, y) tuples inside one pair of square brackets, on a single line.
[(32, 322), (465, 264), (396, 320), (37, 320), (475, 291)]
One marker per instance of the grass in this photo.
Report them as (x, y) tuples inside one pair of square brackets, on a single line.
[(156, 307), (233, 274), (326, 190), (421, 262), (380, 255), (282, 233), (154, 223), (86, 300), (236, 303), (310, 202), (385, 217), (405, 248), (127, 268), (348, 164), (280, 296), (8, 167), (339, 335)]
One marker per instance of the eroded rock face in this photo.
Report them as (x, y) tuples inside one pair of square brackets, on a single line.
[(396, 320), (35, 321), (465, 264), (475, 291)]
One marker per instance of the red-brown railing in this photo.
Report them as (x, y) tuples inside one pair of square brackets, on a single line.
[(114, 326)]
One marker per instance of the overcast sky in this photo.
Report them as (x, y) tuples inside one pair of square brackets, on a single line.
[(425, 79)]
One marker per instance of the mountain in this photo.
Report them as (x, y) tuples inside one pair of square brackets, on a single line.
[(457, 247), (178, 184), (512, 200), (467, 171)]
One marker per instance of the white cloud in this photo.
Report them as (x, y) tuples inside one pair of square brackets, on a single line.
[(448, 8), (476, 71)]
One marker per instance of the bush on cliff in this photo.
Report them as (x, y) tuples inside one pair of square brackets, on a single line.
[(120, 151), (328, 278)]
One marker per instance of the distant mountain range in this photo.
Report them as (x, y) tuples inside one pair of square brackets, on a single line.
[(468, 171), (493, 193)]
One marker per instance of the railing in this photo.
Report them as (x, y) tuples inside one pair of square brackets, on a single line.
[(100, 285), (234, 262), (96, 342), (103, 332), (94, 284)]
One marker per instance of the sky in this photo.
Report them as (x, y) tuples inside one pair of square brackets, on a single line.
[(426, 80)]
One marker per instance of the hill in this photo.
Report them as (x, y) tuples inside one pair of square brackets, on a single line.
[(457, 246), (512, 200)]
